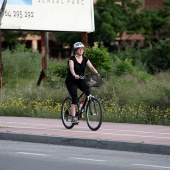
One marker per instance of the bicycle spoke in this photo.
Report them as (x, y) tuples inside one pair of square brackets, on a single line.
[(66, 113), (94, 114)]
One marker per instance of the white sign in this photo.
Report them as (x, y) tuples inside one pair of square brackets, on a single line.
[(49, 15)]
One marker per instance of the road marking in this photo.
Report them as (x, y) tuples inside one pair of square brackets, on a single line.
[(153, 166), (29, 153), (155, 135), (138, 131), (28, 127), (85, 159), (32, 124), (145, 132), (115, 134), (36, 124)]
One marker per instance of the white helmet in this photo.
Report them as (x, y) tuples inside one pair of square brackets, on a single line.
[(78, 45)]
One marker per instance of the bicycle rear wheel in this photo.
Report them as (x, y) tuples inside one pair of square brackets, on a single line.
[(94, 114), (66, 113)]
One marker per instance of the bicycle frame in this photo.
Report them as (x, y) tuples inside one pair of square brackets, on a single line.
[(81, 110), (92, 108), (85, 102)]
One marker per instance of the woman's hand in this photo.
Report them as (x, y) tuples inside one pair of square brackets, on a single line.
[(98, 75), (76, 76)]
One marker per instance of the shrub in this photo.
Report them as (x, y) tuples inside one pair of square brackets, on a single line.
[(58, 68), (56, 73), (131, 96), (134, 56), (20, 64), (123, 67), (158, 57), (100, 58)]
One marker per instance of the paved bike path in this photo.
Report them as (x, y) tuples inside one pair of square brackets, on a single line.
[(153, 139)]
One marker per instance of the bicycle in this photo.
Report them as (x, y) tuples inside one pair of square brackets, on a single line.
[(92, 107)]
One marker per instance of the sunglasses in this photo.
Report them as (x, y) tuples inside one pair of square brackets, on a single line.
[(81, 48)]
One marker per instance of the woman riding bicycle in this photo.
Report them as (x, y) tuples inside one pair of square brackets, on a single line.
[(77, 65)]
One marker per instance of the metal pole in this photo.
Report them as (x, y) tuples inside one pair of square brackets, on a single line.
[(1, 15), (47, 44), (85, 38), (43, 53), (0, 62)]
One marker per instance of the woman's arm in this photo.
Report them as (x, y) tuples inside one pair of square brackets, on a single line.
[(71, 65), (91, 67)]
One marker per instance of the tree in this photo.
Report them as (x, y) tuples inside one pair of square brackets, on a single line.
[(167, 9), (158, 57), (154, 22), (67, 37), (112, 19), (11, 37)]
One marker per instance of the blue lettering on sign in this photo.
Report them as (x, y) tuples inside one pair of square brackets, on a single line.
[(18, 2)]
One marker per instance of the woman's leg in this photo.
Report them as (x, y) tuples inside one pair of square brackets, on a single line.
[(85, 88), (72, 89), (73, 110)]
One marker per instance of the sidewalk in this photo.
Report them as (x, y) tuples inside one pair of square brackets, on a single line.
[(114, 136)]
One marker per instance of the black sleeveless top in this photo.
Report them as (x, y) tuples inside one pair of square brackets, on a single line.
[(79, 68)]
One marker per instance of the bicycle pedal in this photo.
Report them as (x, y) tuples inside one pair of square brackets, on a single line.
[(75, 123), (81, 115)]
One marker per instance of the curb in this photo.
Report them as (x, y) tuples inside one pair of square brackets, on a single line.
[(89, 143)]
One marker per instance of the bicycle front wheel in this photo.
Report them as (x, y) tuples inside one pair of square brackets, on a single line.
[(66, 113), (94, 114)]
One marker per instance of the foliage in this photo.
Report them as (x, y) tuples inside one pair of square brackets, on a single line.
[(135, 55), (152, 60), (20, 64), (67, 37), (166, 28), (112, 19), (11, 37), (126, 98), (58, 69), (100, 58), (57, 72), (129, 62), (27, 101), (123, 67), (153, 22), (158, 57)]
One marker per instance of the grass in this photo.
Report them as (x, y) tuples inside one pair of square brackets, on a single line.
[(135, 104), (126, 98)]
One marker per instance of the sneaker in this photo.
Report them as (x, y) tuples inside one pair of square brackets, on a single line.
[(74, 120)]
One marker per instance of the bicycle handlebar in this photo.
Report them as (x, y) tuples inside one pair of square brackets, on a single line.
[(82, 77), (92, 80)]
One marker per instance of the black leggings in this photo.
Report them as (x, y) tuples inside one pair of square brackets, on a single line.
[(72, 87)]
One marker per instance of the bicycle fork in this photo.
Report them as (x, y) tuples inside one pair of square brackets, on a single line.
[(89, 99)]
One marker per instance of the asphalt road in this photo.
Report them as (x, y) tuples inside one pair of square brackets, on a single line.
[(32, 156), (141, 138)]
